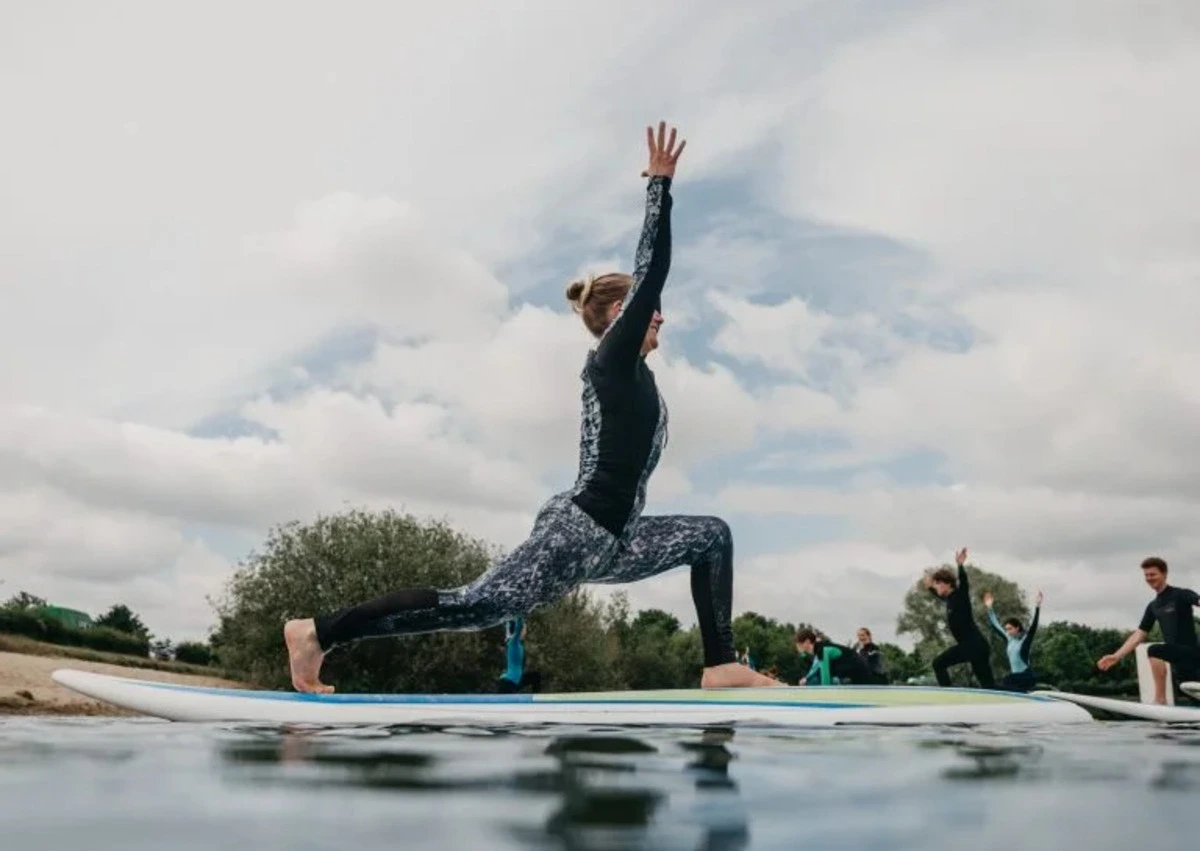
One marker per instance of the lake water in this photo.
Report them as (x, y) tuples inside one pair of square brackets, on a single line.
[(144, 784)]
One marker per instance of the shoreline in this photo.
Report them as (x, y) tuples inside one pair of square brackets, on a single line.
[(26, 688)]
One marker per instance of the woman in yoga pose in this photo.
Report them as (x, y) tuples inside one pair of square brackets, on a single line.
[(594, 532)]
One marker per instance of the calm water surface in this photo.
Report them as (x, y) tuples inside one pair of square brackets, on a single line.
[(145, 784)]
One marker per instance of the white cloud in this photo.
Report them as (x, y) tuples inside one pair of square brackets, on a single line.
[(181, 245)]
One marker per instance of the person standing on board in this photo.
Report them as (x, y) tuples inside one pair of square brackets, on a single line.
[(970, 647), (515, 676), (1018, 643), (594, 532), (1172, 608)]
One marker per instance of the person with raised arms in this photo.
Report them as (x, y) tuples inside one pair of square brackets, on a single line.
[(1172, 609), (1018, 644), (970, 647), (593, 532)]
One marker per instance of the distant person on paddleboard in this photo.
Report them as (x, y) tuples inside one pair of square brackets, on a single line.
[(832, 663), (971, 646), (594, 532), (1018, 643), (1172, 608), (872, 656), (515, 676)]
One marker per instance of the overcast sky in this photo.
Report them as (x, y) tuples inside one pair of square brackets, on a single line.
[(934, 285)]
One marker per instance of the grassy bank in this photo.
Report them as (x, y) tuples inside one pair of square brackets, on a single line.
[(32, 647)]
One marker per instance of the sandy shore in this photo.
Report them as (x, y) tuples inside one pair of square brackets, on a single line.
[(26, 687)]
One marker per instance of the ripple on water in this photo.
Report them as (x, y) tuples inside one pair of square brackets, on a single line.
[(134, 784)]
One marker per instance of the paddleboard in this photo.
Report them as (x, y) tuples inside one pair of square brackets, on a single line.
[(816, 706), (1190, 689), (1128, 708)]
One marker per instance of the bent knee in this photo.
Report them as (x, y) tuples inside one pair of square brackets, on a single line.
[(718, 531)]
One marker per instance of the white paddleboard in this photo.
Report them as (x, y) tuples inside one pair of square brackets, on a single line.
[(1129, 708), (818, 706), (1190, 689)]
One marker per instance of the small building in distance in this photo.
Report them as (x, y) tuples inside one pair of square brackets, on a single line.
[(71, 618)]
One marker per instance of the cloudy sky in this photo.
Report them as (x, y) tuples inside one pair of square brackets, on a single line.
[(934, 284)]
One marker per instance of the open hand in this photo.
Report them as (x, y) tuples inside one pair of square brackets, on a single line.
[(1107, 662), (960, 557), (1038, 598), (988, 599), (663, 153)]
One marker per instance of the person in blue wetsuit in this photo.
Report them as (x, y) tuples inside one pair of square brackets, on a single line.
[(595, 531), (1018, 643), (515, 676)]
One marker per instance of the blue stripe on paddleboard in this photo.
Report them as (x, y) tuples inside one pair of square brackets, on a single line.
[(409, 699)]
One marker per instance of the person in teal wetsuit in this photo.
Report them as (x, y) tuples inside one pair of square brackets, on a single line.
[(515, 677), (832, 663), (1018, 643)]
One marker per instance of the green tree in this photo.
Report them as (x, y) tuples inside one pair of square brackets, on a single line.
[(121, 618), (924, 616), (193, 653), (902, 666), (22, 601)]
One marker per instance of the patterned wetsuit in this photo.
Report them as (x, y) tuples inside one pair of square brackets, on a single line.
[(595, 532)]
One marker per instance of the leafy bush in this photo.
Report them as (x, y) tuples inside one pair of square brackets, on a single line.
[(343, 560), (193, 653)]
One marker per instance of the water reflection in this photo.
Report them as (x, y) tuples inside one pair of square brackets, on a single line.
[(600, 789)]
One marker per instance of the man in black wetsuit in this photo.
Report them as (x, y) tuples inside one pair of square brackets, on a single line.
[(1172, 608), (971, 646)]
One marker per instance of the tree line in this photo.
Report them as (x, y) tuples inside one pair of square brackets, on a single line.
[(577, 644), (118, 630)]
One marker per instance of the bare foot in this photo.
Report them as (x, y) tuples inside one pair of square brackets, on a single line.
[(305, 656), (733, 675)]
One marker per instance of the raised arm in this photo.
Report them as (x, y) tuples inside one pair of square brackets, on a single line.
[(995, 622), (621, 345), (1027, 641), (964, 584)]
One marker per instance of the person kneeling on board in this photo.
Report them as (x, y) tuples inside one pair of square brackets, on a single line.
[(1018, 641), (1172, 608), (971, 646), (832, 662), (515, 677)]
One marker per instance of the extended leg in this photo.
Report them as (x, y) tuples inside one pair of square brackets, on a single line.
[(947, 659), (564, 548), (705, 544)]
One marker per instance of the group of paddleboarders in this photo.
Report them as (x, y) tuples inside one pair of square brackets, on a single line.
[(595, 531)]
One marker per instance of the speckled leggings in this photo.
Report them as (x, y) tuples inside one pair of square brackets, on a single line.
[(565, 549)]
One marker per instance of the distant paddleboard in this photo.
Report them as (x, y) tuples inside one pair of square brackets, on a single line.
[(817, 706), (1132, 709), (1190, 689)]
